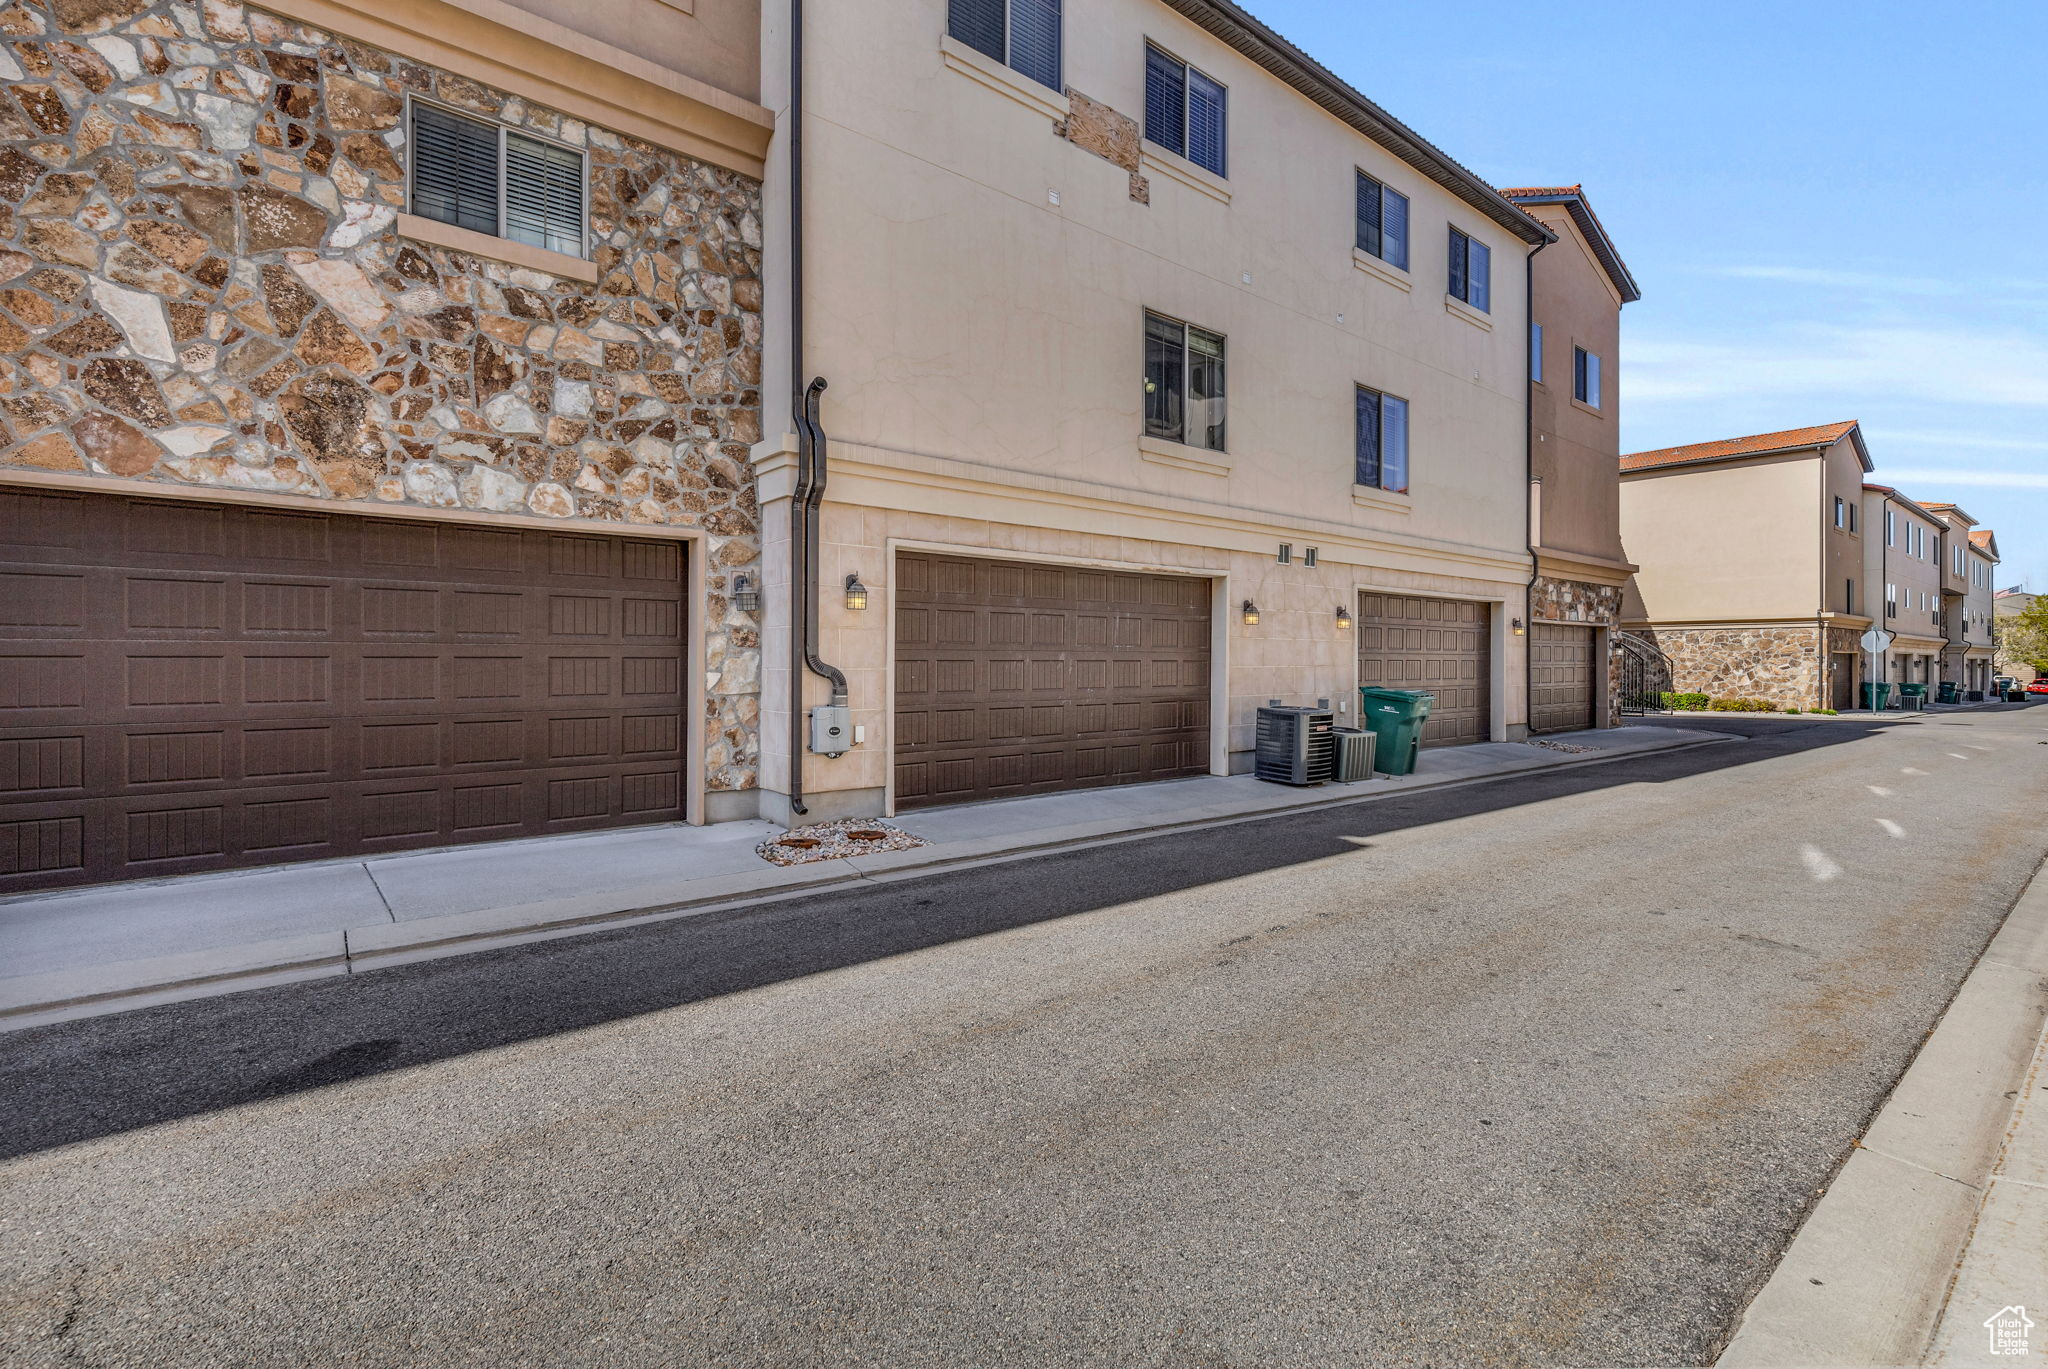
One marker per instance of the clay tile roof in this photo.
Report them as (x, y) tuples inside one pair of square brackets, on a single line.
[(1760, 444), (1573, 198), (1981, 539)]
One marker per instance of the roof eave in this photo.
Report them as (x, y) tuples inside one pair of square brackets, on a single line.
[(1252, 39), (1815, 447), (1595, 233)]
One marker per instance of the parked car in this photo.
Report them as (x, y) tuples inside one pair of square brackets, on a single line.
[(2039, 686)]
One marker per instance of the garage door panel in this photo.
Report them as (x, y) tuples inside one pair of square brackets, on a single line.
[(1436, 645), (218, 685), (1563, 676), (1056, 678)]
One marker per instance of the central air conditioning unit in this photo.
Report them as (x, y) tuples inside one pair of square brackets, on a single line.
[(1296, 745), (1354, 755)]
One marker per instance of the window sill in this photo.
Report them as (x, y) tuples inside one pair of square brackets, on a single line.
[(438, 234), (1175, 167), (1478, 318), (1373, 266), (985, 70), (1180, 456), (1592, 409), (1372, 497)]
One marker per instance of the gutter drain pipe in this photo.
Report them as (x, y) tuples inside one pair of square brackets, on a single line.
[(809, 492)]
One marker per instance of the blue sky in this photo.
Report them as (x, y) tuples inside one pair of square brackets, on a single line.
[(1834, 210)]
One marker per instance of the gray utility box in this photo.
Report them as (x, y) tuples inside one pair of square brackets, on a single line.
[(1296, 745), (831, 729), (1354, 755)]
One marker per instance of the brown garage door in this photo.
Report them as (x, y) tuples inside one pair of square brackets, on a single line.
[(1438, 645), (1013, 678), (1561, 677), (190, 686)]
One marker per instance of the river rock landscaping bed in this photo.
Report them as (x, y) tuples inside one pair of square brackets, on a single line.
[(836, 841)]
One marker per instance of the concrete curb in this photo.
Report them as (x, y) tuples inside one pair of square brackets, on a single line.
[(1865, 1280), (42, 999)]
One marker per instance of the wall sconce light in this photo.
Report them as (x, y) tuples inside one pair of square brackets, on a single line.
[(1517, 626), (856, 592), (1251, 614), (1343, 618), (745, 597)]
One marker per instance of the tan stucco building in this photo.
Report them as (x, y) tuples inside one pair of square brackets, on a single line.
[(1969, 567), (1752, 558), (1137, 417), (1904, 559), (1578, 286)]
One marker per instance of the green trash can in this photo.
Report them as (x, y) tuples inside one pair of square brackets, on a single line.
[(1949, 693), (1876, 694), (1395, 718), (1913, 696)]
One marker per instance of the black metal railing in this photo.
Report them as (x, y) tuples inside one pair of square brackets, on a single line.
[(1645, 674)]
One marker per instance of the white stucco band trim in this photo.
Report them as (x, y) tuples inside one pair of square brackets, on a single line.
[(984, 70), (884, 478), (1478, 318), (1178, 168), (1181, 456), (1379, 270)]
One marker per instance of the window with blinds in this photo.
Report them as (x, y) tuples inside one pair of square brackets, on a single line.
[(1023, 35), (1471, 273), (491, 179), (1382, 222), (1382, 441), (1186, 112)]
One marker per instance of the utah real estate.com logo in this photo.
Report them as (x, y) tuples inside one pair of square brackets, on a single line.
[(2008, 1328)]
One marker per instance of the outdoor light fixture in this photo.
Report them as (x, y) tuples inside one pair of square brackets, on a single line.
[(1517, 625), (856, 592), (1251, 614), (1343, 618), (745, 597)]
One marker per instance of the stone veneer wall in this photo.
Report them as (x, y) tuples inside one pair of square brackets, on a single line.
[(1580, 601), (201, 286), (1776, 664)]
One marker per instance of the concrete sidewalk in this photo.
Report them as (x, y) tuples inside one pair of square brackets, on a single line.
[(79, 952), (1938, 1223)]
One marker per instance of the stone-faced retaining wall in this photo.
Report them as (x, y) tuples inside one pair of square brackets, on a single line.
[(1777, 664), (201, 286)]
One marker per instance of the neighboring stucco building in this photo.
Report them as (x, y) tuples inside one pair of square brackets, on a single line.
[(1903, 561), (1167, 375), (1752, 564), (377, 391), (1579, 285), (1969, 565)]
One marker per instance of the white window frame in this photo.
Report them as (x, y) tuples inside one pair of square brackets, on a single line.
[(412, 161)]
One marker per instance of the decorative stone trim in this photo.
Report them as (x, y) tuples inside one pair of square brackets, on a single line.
[(1574, 601), (1780, 665)]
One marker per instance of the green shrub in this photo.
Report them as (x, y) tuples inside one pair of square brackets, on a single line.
[(1741, 706), (1791, 710), (1687, 700), (1831, 712)]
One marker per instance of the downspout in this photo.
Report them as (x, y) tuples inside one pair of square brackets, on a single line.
[(809, 492), (1529, 481)]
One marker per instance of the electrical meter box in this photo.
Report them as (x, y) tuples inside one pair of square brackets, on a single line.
[(831, 729)]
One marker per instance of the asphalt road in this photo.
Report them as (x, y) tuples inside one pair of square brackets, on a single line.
[(1540, 1072)]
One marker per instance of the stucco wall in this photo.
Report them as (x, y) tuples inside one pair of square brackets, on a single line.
[(1917, 578), (716, 41), (1576, 450), (1729, 542), (205, 291)]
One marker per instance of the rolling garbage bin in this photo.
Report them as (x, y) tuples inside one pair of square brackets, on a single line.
[(1395, 718), (1913, 696), (1949, 693), (1876, 694)]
